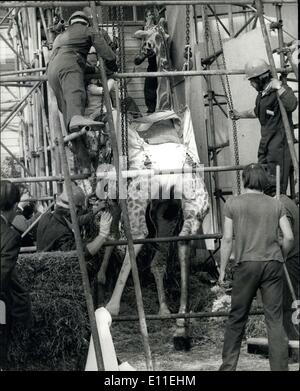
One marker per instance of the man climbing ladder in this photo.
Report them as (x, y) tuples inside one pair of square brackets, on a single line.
[(66, 70)]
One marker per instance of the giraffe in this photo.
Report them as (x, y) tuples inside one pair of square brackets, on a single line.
[(188, 193), (156, 47)]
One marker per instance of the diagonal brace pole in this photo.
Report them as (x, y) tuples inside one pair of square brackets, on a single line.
[(19, 106), (6, 16), (16, 159), (80, 253)]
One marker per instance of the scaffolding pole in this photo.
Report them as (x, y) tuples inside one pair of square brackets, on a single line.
[(80, 253), (124, 3), (6, 16), (129, 75), (212, 122), (32, 70), (123, 204), (129, 174), (19, 107)]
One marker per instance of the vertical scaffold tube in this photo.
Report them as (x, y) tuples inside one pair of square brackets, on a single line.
[(135, 275)]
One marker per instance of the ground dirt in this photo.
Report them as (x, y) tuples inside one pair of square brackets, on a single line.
[(59, 337), (207, 340)]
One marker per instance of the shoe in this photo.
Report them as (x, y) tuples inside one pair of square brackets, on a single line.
[(78, 121)]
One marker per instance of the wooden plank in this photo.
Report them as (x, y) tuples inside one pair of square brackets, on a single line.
[(260, 346)]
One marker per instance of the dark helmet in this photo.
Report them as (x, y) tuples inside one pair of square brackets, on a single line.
[(78, 197), (78, 16)]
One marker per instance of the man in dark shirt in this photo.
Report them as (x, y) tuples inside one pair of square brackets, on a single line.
[(254, 219), (55, 232), (293, 267), (14, 299), (66, 69), (273, 148)]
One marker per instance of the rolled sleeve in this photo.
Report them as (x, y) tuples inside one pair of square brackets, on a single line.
[(289, 99)]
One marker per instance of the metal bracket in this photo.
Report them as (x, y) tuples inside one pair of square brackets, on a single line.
[(35, 154), (276, 25), (218, 193)]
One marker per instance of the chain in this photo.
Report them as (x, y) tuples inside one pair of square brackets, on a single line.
[(187, 25), (113, 9), (187, 50), (229, 100), (102, 96), (123, 87)]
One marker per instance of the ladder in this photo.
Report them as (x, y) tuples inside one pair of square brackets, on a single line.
[(67, 179), (123, 204)]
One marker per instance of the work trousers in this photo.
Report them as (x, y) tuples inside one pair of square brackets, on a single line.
[(66, 78), (248, 278), (293, 267), (273, 150)]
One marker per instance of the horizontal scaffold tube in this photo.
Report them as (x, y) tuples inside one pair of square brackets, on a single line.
[(31, 70), (130, 75), (60, 178), (124, 242), (190, 315), (115, 3), (170, 171)]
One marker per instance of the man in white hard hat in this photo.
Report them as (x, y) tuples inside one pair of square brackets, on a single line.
[(66, 70), (55, 231), (273, 148)]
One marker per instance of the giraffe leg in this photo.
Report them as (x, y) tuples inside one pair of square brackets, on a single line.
[(183, 254), (165, 216), (101, 276), (113, 306), (181, 337), (136, 213), (159, 271)]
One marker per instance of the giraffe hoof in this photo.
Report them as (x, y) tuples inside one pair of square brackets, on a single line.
[(180, 322), (112, 309), (181, 340), (164, 310)]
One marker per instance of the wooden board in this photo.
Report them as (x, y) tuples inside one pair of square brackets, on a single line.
[(191, 92), (260, 346)]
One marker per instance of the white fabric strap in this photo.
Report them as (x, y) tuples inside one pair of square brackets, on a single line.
[(80, 20)]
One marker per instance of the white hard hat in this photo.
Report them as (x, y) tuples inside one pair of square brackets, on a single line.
[(256, 67)]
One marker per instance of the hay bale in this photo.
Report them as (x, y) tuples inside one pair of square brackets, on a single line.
[(60, 334)]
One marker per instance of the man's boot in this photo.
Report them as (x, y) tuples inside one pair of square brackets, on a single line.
[(78, 121)]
